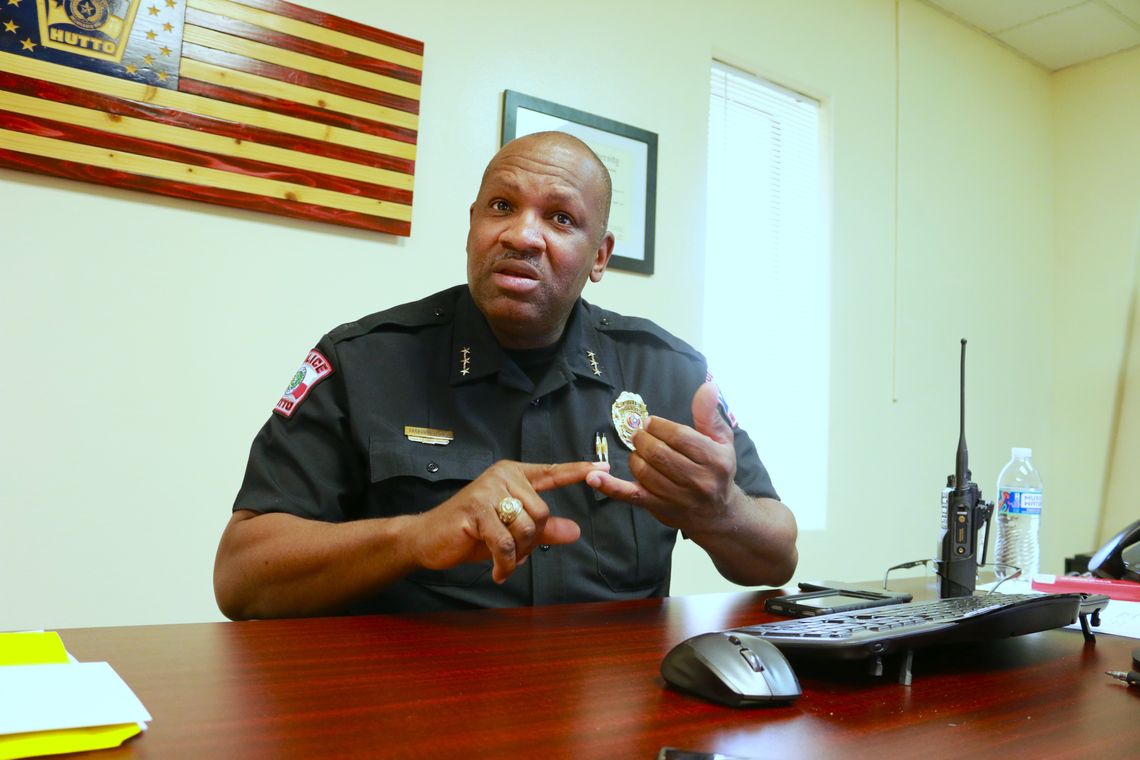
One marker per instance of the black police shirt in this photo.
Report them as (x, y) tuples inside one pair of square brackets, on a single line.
[(341, 444)]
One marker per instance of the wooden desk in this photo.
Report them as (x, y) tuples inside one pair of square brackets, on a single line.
[(582, 681)]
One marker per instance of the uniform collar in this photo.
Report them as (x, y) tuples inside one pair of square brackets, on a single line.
[(584, 351), (476, 354)]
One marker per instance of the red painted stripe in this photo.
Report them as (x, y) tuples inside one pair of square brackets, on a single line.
[(86, 136), (338, 24), (293, 76), (298, 45), (64, 94), (299, 110), (72, 170)]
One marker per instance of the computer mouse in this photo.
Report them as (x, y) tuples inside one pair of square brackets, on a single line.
[(732, 668)]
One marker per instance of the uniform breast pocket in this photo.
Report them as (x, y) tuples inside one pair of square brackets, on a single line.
[(632, 548), (408, 477)]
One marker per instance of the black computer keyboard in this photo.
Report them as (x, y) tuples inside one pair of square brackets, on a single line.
[(897, 627)]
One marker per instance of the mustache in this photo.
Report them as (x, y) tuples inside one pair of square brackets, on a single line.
[(511, 254), (520, 263)]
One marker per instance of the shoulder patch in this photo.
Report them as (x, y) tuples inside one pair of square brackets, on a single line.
[(722, 402), (314, 369)]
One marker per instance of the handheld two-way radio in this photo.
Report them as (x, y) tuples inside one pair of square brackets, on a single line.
[(964, 513)]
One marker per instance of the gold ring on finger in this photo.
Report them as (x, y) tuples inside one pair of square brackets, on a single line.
[(509, 508)]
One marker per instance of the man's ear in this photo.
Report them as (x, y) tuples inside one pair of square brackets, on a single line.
[(602, 257)]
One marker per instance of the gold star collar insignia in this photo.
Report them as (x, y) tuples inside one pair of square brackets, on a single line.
[(593, 359)]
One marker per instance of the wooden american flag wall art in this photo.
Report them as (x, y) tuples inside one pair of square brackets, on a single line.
[(258, 104)]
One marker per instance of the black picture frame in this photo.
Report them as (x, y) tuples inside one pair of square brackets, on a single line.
[(629, 153)]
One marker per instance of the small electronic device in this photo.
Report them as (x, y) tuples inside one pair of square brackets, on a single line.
[(672, 753), (827, 601), (731, 668), (963, 515)]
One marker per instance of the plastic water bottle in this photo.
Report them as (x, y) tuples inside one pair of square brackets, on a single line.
[(1018, 515)]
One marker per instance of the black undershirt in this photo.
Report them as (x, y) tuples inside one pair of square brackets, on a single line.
[(535, 361)]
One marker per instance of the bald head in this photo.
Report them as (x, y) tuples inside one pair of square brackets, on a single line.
[(537, 236), (568, 151)]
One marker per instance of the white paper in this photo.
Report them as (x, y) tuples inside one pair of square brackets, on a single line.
[(48, 697)]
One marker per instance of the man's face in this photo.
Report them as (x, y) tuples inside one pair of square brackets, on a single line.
[(536, 236)]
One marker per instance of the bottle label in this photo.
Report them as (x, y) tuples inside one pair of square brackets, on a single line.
[(1019, 502)]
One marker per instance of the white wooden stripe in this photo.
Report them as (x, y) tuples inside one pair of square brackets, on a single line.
[(129, 126), (160, 168), (309, 31), (299, 61), (218, 109), (239, 80)]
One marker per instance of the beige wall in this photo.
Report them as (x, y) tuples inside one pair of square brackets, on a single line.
[(148, 338), (1097, 153)]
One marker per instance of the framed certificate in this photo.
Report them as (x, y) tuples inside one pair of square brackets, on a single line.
[(629, 153)]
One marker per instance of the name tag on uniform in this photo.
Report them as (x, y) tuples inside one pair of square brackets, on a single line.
[(433, 436)]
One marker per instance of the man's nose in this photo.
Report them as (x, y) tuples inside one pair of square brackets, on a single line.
[(524, 233)]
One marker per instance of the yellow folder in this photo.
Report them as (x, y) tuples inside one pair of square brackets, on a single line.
[(46, 648)]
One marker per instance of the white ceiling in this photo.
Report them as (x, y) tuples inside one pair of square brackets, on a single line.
[(1052, 33)]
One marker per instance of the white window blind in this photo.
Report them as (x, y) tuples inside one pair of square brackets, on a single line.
[(767, 280)]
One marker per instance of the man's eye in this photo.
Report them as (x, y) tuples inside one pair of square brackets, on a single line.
[(500, 205), (563, 219)]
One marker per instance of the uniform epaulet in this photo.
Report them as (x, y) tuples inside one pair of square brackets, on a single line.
[(612, 323), (432, 310)]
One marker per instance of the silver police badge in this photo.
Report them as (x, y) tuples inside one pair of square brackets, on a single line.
[(629, 415)]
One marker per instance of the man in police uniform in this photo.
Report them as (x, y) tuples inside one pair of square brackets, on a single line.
[(397, 472)]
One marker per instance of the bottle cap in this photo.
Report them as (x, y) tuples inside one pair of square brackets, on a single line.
[(1019, 453)]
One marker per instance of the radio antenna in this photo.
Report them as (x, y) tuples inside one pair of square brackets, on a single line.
[(962, 464), (964, 515)]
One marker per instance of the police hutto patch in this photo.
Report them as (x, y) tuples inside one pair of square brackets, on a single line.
[(315, 368), (628, 414), (94, 29)]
